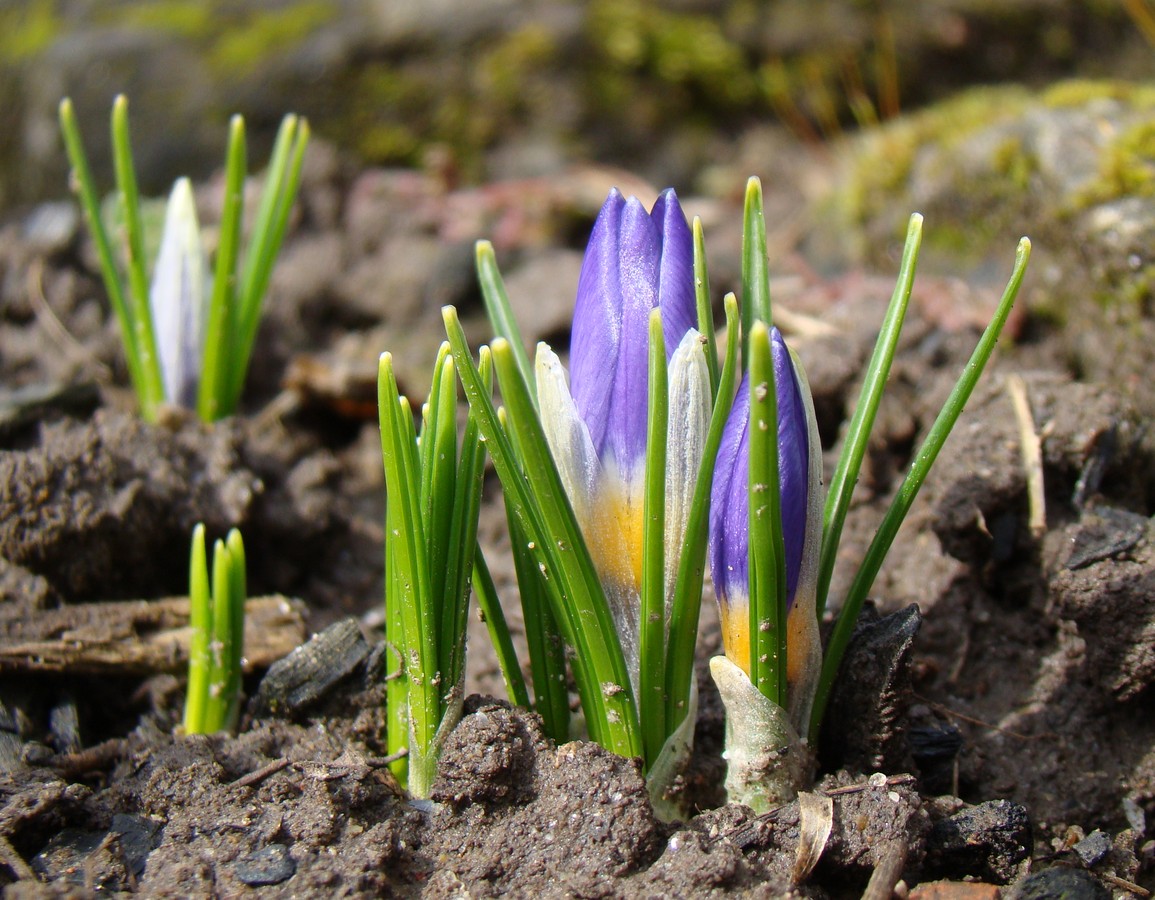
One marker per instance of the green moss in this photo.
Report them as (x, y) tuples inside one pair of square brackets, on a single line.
[(390, 119), (235, 42), (1015, 164), (244, 45), (649, 41), (506, 72), (1078, 92), (27, 28), (1126, 168), (883, 158), (388, 141), (189, 19)]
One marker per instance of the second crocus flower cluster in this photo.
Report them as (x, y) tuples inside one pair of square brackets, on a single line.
[(638, 262), (623, 477)]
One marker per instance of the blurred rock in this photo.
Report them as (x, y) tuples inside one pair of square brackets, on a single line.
[(1060, 883), (310, 671), (990, 841)]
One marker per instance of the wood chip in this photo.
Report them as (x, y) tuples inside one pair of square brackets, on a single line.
[(138, 636)]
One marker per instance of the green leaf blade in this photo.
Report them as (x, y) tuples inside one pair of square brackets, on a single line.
[(767, 552), (652, 617), (841, 488), (908, 490)]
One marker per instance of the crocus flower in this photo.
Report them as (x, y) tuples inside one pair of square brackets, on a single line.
[(730, 513), (179, 298), (636, 262)]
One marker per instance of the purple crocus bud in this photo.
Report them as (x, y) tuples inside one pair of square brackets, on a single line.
[(729, 499), (179, 298), (636, 262)]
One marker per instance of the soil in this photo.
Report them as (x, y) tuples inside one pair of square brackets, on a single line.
[(993, 725)]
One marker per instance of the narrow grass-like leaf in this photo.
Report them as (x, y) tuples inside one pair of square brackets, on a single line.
[(908, 490), (135, 264), (500, 312), (221, 648), (862, 421), (692, 564), (462, 541), (566, 556), (438, 490), (543, 637), (490, 605), (272, 221), (755, 268), (200, 628), (532, 530), (540, 503), (396, 680), (702, 302), (767, 552), (234, 651), (90, 203), (223, 325), (216, 644), (652, 617), (402, 484)]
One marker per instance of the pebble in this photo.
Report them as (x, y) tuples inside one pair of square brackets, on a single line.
[(51, 227), (1093, 848), (1060, 883), (271, 864), (313, 669), (988, 841)]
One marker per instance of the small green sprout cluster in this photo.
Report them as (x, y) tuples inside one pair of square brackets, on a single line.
[(434, 494), (217, 625), (188, 335)]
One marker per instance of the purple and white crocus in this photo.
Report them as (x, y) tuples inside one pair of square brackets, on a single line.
[(636, 262), (179, 298), (800, 492)]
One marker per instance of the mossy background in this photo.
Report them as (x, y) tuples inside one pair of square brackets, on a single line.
[(992, 119), (647, 84)]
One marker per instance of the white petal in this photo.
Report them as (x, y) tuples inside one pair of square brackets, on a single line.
[(688, 422), (179, 297), (568, 437)]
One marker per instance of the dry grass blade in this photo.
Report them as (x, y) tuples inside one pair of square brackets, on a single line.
[(816, 819), (1032, 454)]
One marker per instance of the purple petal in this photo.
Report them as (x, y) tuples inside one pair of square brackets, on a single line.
[(729, 506), (729, 503), (793, 458), (676, 274), (635, 261), (609, 346)]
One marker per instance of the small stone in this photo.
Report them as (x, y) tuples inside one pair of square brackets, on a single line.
[(137, 838), (955, 890), (63, 857), (1104, 533), (271, 864), (1060, 883), (51, 227), (313, 669), (1093, 848), (987, 841)]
